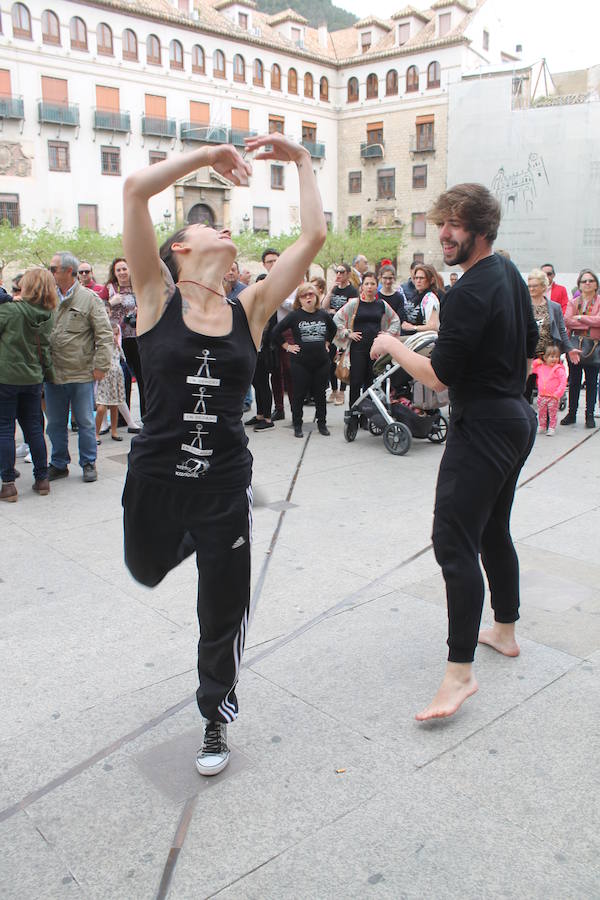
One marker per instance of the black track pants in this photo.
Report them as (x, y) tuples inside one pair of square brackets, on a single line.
[(475, 492), (165, 523), (307, 381)]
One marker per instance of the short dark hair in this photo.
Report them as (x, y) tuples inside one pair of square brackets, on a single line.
[(473, 204), (168, 257), (548, 266), (369, 274), (270, 251)]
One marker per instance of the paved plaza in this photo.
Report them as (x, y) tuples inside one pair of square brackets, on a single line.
[(333, 790)]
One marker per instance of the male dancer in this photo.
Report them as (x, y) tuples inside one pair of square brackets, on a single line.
[(487, 339)]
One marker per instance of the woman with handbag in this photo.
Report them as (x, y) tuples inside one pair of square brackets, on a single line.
[(25, 363), (358, 324), (121, 307), (551, 325), (582, 318)]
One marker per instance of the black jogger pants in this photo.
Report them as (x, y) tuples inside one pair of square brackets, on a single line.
[(164, 523), (485, 452)]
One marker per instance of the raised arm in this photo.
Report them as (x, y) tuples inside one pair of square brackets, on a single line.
[(261, 300), (139, 238)]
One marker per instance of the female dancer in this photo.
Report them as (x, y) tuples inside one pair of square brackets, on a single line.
[(188, 484)]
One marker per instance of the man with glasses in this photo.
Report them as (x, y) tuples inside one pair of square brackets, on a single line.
[(557, 292), (81, 344), (86, 278), (338, 295)]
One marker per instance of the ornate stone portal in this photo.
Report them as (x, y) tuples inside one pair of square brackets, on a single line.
[(13, 161), (203, 197)]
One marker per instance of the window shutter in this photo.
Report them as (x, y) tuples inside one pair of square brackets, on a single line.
[(107, 98), (240, 119), (199, 112), (156, 107), (55, 90)]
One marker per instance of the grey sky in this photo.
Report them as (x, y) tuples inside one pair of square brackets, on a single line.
[(566, 34)]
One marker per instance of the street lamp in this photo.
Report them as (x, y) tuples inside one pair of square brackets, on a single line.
[(167, 218), (246, 221)]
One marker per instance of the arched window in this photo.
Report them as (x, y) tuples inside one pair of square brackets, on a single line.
[(352, 90), (309, 85), (104, 39), (275, 77), (391, 83), (21, 21), (258, 73), (412, 79), (372, 86), (176, 55), (78, 32), (239, 68), (292, 81), (50, 27), (198, 60), (434, 73), (153, 54), (324, 90), (130, 44), (219, 64)]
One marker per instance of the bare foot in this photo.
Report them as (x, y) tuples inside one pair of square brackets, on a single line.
[(458, 684), (501, 637)]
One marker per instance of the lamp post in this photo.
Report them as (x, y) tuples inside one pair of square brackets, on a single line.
[(167, 218), (246, 221)]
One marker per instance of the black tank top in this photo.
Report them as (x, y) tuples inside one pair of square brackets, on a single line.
[(195, 386)]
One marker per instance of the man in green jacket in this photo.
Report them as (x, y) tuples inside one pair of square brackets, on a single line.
[(81, 344)]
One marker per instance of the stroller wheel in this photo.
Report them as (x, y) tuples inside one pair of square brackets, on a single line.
[(351, 428), (397, 438), (439, 431), (376, 430)]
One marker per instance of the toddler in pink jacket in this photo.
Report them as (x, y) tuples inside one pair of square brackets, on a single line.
[(551, 384)]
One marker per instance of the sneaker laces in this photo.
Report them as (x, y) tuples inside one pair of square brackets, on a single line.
[(214, 739)]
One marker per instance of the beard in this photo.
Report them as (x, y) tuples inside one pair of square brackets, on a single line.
[(460, 252)]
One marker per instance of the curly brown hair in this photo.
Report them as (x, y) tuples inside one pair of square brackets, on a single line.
[(473, 204), (39, 288)]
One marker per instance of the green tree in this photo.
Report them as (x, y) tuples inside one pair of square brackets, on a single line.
[(28, 245), (343, 246), (251, 245)]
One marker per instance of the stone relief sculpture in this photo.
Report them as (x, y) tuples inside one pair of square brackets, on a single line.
[(13, 161)]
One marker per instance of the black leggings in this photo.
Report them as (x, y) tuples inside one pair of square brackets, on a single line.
[(132, 355), (164, 523), (262, 388), (361, 371), (591, 387), (475, 492), (307, 381)]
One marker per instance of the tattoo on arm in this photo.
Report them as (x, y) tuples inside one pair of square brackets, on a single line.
[(168, 285), (185, 306)]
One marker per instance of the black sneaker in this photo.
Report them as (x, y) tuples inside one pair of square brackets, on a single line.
[(323, 429), (298, 431), (278, 415), (253, 421), (590, 422), (214, 754), (133, 429), (90, 473), (54, 473), (569, 419), (262, 424)]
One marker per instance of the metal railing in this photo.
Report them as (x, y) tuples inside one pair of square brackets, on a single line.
[(421, 145), (208, 134), (11, 107), (236, 136), (154, 126), (372, 151), (317, 151), (58, 113), (111, 120)]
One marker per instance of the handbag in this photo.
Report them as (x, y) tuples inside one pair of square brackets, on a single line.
[(342, 360), (588, 347)]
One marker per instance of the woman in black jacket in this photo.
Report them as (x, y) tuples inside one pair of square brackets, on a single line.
[(313, 330)]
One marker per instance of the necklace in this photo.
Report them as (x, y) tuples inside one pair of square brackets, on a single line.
[(205, 286)]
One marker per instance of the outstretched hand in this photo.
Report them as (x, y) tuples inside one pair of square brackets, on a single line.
[(229, 163), (282, 148)]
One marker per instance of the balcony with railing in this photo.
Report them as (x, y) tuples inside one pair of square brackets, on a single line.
[(11, 107), (208, 134), (370, 150), (317, 151), (237, 135), (421, 144), (112, 120), (154, 126), (53, 113)]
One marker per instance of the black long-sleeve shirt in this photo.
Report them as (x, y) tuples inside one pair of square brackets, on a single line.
[(311, 332)]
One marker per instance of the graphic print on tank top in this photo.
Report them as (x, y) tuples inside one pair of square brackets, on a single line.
[(197, 462)]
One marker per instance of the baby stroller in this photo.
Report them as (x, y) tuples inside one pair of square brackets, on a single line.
[(398, 407)]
